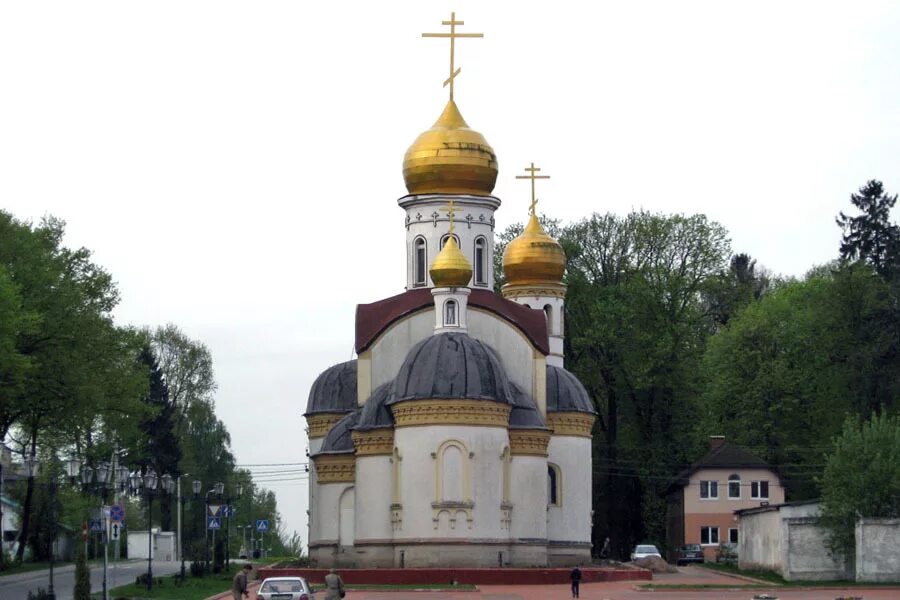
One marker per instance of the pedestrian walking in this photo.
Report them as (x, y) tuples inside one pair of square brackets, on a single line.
[(334, 586), (575, 576), (604, 551), (239, 583)]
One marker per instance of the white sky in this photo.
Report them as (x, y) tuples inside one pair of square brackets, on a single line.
[(236, 165)]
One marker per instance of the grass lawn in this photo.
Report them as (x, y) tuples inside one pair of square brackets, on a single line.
[(776, 579), (194, 588), (12, 569), (463, 587)]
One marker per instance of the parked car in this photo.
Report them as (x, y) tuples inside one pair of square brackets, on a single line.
[(643, 551), (285, 588), (689, 553), (727, 553)]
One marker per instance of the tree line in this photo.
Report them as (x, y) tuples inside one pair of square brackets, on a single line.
[(73, 382), (676, 338)]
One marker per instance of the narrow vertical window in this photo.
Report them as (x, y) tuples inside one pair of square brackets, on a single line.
[(553, 486), (548, 313), (421, 260), (450, 312), (480, 261), (734, 487)]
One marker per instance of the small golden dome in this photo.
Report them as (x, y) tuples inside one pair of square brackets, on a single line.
[(450, 158), (451, 268), (534, 257)]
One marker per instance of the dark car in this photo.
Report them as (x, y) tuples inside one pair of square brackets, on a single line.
[(689, 553)]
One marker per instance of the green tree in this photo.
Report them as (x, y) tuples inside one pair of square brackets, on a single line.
[(82, 575), (861, 478), (810, 351), (80, 378), (870, 236), (735, 288)]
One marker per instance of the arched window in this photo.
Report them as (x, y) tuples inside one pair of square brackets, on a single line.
[(548, 312), (420, 257), (446, 236), (450, 312), (734, 487), (480, 261), (554, 485)]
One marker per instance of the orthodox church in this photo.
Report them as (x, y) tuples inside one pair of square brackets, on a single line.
[(456, 437)]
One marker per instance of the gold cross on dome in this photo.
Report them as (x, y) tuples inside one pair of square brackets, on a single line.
[(532, 170), (452, 35), (451, 212)]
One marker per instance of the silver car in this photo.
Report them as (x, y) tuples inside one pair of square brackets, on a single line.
[(643, 551), (285, 588)]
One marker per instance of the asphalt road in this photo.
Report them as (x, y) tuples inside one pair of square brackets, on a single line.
[(16, 587)]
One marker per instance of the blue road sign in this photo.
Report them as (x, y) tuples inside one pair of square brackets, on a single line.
[(228, 510), (213, 523), (262, 524), (117, 513), (96, 525)]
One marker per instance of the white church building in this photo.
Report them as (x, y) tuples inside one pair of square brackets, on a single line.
[(456, 438)]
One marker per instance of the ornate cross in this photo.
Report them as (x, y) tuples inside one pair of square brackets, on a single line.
[(531, 175), (452, 35), (451, 212)]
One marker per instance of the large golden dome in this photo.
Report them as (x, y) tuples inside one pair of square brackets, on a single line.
[(534, 257), (450, 267), (450, 158)]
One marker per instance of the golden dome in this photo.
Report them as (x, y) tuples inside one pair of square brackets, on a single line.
[(533, 257), (451, 268), (450, 158)]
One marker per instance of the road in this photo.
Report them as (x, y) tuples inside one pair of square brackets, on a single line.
[(16, 587)]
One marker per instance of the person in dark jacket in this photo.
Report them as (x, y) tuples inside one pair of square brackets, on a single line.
[(575, 576), (239, 583)]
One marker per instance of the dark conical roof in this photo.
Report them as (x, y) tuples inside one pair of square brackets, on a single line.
[(524, 414), (451, 366), (338, 440), (375, 412), (334, 390), (565, 393)]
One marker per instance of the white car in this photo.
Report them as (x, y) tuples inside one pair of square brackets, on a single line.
[(285, 588), (643, 551)]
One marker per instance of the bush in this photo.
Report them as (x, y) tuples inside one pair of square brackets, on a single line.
[(41, 595), (198, 568)]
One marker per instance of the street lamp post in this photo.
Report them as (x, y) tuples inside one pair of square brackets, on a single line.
[(32, 466), (238, 489), (149, 483), (101, 487)]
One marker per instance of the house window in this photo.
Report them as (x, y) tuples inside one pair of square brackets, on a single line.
[(733, 535), (480, 261), (548, 314), (450, 312), (554, 478), (421, 260), (709, 536), (709, 490), (759, 490), (734, 487), (447, 237)]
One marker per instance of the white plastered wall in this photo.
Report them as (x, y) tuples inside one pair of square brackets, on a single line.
[(528, 487), (418, 481), (315, 444), (373, 489), (571, 521)]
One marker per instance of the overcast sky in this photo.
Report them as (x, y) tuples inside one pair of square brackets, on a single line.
[(236, 165)]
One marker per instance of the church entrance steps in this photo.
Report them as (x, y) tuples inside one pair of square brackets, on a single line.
[(493, 576)]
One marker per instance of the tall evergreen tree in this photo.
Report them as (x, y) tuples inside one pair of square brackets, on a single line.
[(870, 236), (161, 449)]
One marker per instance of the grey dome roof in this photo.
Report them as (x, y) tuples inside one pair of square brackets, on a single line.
[(451, 366), (338, 440), (524, 414), (565, 393), (334, 390), (375, 412)]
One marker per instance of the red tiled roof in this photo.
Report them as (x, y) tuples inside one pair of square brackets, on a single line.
[(374, 319)]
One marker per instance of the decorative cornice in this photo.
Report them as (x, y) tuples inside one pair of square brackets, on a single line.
[(548, 289), (529, 442), (373, 442), (484, 413), (320, 424), (335, 468), (571, 423)]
